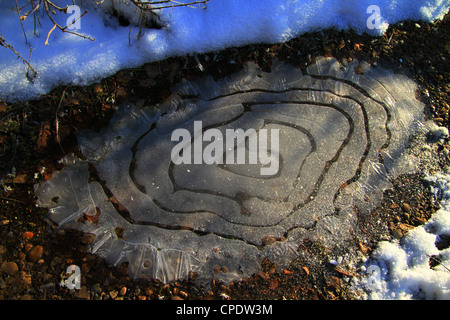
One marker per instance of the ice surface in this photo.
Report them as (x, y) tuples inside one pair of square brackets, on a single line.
[(341, 134), (69, 59)]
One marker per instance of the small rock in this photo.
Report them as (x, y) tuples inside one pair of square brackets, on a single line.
[(123, 291), (35, 253), (166, 288), (97, 88), (10, 268), (113, 294), (406, 207), (397, 233), (82, 294), (28, 235)]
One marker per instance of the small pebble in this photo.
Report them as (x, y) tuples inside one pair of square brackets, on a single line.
[(35, 253), (406, 207), (97, 88), (113, 294), (123, 291), (82, 294), (10, 268), (397, 233)]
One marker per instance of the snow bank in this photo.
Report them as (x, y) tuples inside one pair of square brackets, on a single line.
[(401, 269), (69, 59)]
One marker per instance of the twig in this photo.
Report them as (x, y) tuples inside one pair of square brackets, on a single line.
[(346, 273), (439, 262), (147, 5), (21, 23), (48, 5), (74, 21), (13, 200), (49, 8), (49, 33), (56, 119), (10, 47), (33, 75), (152, 6)]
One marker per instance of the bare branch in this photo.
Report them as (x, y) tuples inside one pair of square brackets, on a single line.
[(157, 5), (47, 5), (49, 33), (10, 47), (21, 23)]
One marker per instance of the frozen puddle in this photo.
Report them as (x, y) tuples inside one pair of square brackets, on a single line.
[(168, 198)]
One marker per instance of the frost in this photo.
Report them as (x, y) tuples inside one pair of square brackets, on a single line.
[(342, 137)]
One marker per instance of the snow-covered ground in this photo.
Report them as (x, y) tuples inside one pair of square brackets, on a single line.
[(224, 23), (396, 269), (401, 269)]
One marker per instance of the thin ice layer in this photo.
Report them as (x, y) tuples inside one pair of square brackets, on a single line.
[(341, 134)]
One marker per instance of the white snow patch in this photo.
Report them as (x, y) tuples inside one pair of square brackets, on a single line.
[(401, 269), (69, 59)]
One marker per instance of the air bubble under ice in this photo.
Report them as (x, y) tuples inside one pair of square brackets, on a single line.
[(343, 130)]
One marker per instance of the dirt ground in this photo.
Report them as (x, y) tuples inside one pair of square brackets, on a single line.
[(35, 134)]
